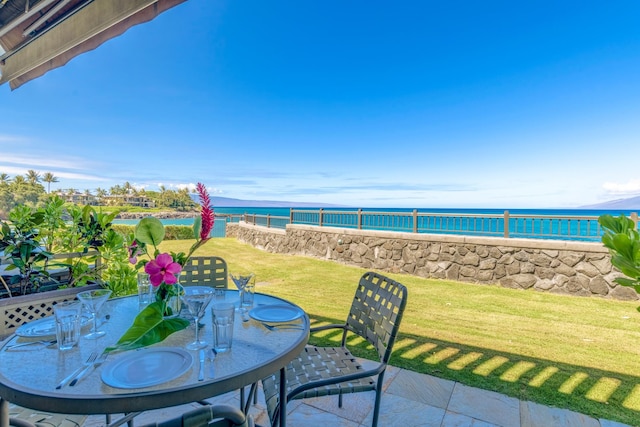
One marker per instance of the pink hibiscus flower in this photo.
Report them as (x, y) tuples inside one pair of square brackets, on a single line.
[(162, 270)]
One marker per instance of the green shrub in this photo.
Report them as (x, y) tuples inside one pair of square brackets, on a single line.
[(172, 232), (123, 229), (178, 232)]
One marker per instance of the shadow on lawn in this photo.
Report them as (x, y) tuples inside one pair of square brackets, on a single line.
[(595, 392)]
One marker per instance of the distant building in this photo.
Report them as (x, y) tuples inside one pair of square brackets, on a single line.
[(78, 198), (128, 199)]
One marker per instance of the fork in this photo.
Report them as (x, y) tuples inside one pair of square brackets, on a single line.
[(22, 344), (89, 368), (283, 326), (89, 362)]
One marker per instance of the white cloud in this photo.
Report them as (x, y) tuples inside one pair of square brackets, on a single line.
[(628, 188), (34, 162), (191, 187)]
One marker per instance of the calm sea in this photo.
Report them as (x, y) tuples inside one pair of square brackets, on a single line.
[(285, 212)]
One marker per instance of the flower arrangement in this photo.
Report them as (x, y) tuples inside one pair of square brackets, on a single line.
[(152, 324)]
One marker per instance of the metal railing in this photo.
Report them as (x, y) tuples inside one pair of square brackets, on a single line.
[(507, 225)]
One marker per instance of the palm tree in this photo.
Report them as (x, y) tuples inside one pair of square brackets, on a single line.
[(100, 193), (19, 181), (127, 187), (49, 178), (32, 176), (5, 179)]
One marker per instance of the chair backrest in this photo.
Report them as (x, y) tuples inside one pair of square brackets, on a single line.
[(205, 271), (208, 416), (376, 312), (22, 309)]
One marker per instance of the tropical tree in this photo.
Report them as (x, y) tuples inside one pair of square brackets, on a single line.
[(100, 194), (49, 178), (5, 179), (127, 188), (33, 177)]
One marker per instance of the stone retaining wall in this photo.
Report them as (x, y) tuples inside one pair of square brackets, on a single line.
[(566, 267)]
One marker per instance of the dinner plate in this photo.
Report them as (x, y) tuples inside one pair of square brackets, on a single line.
[(43, 327), (147, 367), (276, 313)]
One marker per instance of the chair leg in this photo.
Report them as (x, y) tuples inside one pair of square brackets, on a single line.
[(376, 406), (340, 400)]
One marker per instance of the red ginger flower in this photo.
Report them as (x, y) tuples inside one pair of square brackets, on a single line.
[(207, 212)]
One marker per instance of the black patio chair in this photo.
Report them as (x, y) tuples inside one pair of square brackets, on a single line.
[(212, 416), (375, 315), (205, 271)]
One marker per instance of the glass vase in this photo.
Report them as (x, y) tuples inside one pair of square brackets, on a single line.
[(170, 298)]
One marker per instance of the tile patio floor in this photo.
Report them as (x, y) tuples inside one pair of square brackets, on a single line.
[(409, 399)]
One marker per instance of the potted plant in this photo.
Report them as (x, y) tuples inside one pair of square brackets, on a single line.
[(623, 241)]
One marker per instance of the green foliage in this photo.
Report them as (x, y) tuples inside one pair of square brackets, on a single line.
[(178, 232), (623, 241), (150, 231), (149, 327), (118, 275), (21, 246), (31, 236)]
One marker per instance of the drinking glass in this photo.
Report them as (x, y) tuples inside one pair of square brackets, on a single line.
[(93, 301), (222, 321), (67, 315), (196, 299), (144, 290)]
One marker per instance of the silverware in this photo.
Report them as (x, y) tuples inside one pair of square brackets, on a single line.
[(283, 326), (212, 358), (202, 360), (22, 344), (88, 369), (89, 362)]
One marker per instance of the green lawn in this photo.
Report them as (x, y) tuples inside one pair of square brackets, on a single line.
[(571, 352)]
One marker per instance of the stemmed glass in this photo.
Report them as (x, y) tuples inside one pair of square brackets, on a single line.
[(197, 298), (241, 281), (93, 301)]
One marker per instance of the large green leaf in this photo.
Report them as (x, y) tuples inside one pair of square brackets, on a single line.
[(149, 327), (150, 231)]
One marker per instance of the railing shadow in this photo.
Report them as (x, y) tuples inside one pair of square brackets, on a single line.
[(595, 392)]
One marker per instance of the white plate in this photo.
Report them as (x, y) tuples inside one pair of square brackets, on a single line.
[(147, 367), (43, 327), (275, 313)]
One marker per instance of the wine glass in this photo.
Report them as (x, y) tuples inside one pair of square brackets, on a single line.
[(196, 299), (241, 280), (93, 301)]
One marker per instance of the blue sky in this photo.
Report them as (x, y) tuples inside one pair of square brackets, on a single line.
[(419, 104)]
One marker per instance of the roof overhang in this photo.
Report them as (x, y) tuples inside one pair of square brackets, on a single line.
[(40, 35)]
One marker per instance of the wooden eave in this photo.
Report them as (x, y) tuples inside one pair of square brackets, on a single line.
[(76, 27)]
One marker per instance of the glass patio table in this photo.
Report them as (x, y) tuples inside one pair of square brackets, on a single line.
[(29, 375)]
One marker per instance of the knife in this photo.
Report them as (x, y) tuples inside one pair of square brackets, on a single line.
[(202, 360), (87, 370)]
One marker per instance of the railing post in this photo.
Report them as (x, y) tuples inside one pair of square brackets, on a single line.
[(359, 219), (415, 220), (291, 216), (506, 224), (634, 218), (320, 217), (268, 220)]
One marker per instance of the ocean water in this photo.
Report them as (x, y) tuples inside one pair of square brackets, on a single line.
[(439, 220)]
